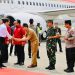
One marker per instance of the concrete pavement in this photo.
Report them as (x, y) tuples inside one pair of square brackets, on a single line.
[(42, 62)]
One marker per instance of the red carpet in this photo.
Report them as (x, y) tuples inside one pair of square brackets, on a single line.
[(8, 71)]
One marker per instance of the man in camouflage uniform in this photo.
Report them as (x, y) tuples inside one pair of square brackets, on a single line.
[(51, 45)]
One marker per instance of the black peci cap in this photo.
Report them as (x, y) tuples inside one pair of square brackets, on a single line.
[(31, 20), (68, 22), (25, 25), (4, 20)]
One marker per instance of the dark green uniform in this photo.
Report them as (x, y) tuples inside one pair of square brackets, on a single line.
[(51, 46)]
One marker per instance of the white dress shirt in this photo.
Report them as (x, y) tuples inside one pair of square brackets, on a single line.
[(4, 32)]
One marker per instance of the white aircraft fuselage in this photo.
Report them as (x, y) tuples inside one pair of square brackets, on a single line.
[(26, 9), (34, 6)]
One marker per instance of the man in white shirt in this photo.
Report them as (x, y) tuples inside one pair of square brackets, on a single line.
[(3, 33)]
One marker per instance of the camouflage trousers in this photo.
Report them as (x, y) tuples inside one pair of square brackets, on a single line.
[(51, 55)]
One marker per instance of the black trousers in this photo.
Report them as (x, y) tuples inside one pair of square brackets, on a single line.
[(29, 49), (5, 53), (20, 53), (1, 48), (11, 50), (59, 43), (70, 57)]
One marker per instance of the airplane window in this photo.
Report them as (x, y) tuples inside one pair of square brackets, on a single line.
[(54, 5), (49, 5), (4, 1), (18, 2), (36, 3), (27, 3), (57, 5), (60, 6), (33, 3), (67, 6), (23, 2), (12, 1), (42, 4), (30, 3), (46, 4), (8, 1)]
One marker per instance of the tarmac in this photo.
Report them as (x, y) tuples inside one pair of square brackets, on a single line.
[(42, 62)]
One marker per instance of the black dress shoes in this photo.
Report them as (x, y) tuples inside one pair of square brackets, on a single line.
[(47, 67), (61, 51), (69, 70), (52, 68), (21, 64), (2, 66), (16, 63), (29, 56), (38, 57)]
